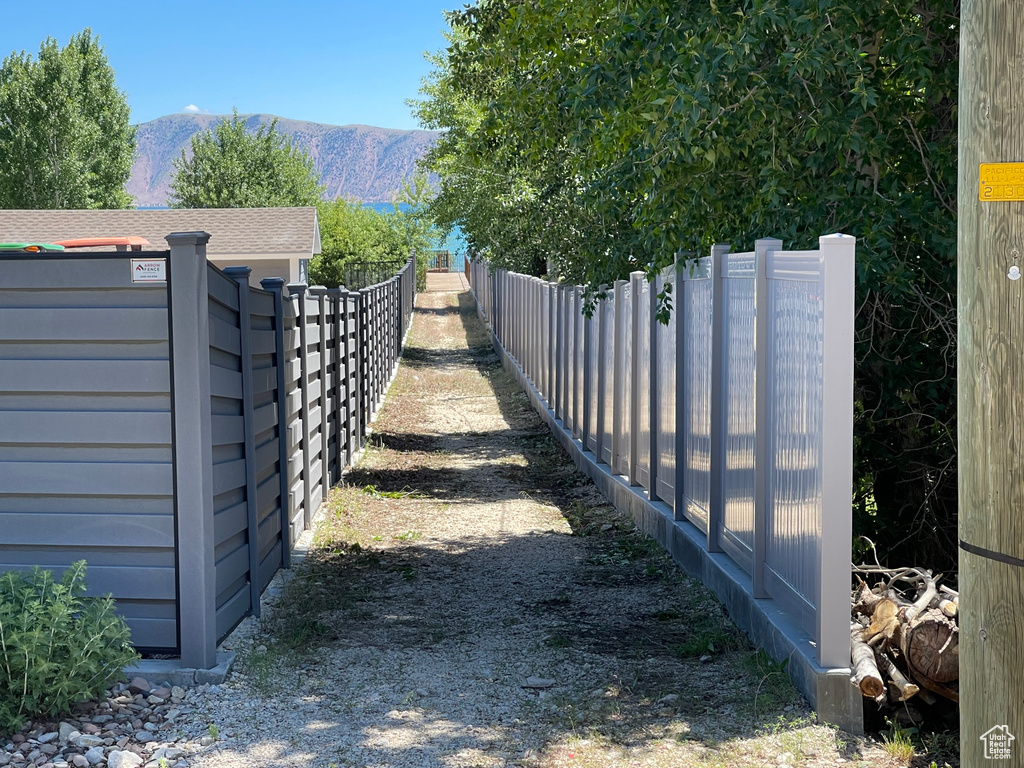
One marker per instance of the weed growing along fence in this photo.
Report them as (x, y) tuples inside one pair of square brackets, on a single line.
[(178, 432), (736, 416)]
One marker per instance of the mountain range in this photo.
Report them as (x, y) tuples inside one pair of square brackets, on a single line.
[(354, 161)]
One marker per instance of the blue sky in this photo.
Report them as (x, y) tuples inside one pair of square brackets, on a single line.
[(337, 62)]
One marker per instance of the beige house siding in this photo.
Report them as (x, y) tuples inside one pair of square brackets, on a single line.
[(264, 268)]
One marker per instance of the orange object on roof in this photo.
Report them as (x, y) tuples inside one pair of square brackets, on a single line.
[(134, 242)]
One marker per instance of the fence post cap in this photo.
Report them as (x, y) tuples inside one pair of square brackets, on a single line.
[(273, 284), (837, 240), (187, 238), (318, 290), (296, 288), (238, 273)]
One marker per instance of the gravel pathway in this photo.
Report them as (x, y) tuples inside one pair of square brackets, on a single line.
[(471, 600)]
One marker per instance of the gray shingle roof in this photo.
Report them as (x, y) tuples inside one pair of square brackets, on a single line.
[(264, 231)]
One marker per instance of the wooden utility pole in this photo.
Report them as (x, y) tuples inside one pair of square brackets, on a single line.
[(990, 370)]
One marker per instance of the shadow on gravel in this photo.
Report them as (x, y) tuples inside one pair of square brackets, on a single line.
[(523, 456), (685, 687), (523, 460), (682, 670)]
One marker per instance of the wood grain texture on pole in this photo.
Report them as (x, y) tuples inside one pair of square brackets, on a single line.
[(990, 379)]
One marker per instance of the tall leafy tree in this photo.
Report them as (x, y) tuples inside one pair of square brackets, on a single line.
[(233, 167), (65, 137), (606, 136)]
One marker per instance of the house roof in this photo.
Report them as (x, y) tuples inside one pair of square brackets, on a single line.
[(233, 231)]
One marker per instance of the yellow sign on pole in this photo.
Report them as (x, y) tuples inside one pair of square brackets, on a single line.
[(1001, 181)]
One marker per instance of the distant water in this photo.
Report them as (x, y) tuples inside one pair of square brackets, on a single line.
[(456, 241)]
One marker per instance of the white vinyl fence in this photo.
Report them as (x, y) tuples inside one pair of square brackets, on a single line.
[(737, 414)]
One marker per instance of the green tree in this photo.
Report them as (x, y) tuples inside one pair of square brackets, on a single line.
[(606, 136), (65, 137), (350, 231), (353, 232), (231, 167)]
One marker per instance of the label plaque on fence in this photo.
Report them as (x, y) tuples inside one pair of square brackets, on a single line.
[(149, 270), (1001, 181)]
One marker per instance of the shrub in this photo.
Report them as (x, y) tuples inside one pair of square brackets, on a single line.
[(421, 272), (57, 648)]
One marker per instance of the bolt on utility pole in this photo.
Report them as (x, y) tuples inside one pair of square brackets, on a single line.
[(990, 368)]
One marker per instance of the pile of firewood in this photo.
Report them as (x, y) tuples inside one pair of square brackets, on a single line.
[(905, 638)]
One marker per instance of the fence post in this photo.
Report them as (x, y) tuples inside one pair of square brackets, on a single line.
[(299, 291), (397, 321), (513, 284), (325, 387), (189, 316), (382, 344), (567, 363), (654, 390), (517, 314), (602, 376), (394, 327), (492, 290), (551, 355), (275, 285), (679, 308), (520, 310), (636, 280), (504, 299), (538, 334), (529, 329), (838, 258), (588, 379), (762, 444), (241, 277), (341, 372), (368, 353), (618, 373), (719, 379), (359, 379), (559, 350), (577, 344)]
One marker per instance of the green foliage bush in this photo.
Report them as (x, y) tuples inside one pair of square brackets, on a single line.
[(353, 232), (607, 136), (421, 272), (57, 648), (350, 231)]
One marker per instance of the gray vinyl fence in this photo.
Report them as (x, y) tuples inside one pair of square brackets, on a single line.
[(178, 434), (737, 415)]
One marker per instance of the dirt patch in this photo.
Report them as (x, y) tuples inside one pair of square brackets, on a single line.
[(471, 600)]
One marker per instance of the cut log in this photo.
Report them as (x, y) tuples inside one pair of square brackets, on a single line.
[(866, 600), (865, 670), (948, 607), (923, 601), (931, 646), (885, 624), (903, 687), (903, 647)]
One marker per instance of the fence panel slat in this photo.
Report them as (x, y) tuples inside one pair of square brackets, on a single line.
[(725, 413)]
